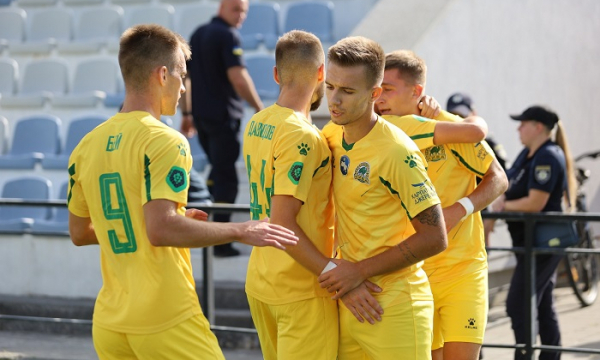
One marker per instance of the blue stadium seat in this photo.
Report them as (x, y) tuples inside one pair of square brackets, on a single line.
[(261, 25), (161, 14), (3, 135), (58, 223), (34, 137), (21, 218), (260, 67), (48, 27), (198, 154), (5, 2), (42, 79), (9, 73), (313, 16), (96, 27), (78, 128), (12, 26)]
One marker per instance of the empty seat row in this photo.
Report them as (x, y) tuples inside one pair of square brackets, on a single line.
[(38, 3), (33, 219), (95, 81)]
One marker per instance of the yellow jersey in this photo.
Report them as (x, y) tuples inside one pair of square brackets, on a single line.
[(286, 155), (379, 185), (127, 161), (453, 169)]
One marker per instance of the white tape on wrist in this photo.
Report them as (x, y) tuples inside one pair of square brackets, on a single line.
[(330, 266), (468, 205)]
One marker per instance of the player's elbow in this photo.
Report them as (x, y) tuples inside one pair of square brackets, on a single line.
[(439, 243), (157, 235)]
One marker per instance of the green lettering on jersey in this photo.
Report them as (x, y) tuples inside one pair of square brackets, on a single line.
[(113, 142), (263, 131)]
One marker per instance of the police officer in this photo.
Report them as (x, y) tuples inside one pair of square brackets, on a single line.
[(538, 179)]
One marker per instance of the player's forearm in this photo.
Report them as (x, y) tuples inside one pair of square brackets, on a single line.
[(457, 132), (305, 252), (479, 122), (493, 184)]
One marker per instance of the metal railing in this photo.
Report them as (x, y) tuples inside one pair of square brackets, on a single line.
[(528, 349)]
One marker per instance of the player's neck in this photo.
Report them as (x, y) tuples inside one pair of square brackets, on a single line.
[(296, 98), (140, 102), (358, 129)]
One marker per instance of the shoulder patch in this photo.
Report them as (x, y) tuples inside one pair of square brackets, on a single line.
[(295, 172), (237, 51), (177, 179), (543, 173)]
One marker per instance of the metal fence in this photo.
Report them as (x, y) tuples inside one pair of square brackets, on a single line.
[(528, 349)]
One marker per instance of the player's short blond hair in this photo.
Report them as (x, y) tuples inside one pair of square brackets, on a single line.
[(412, 68), (358, 50), (145, 47), (298, 53)]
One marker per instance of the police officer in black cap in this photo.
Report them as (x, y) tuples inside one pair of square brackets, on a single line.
[(540, 178)]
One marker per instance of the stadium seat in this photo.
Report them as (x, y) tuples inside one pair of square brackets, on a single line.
[(78, 128), (12, 26), (48, 27), (161, 14), (33, 3), (5, 2), (3, 135), (58, 223), (190, 17), (21, 218), (313, 16), (34, 137), (96, 27), (261, 26), (198, 154), (93, 80), (260, 68), (9, 73), (82, 2), (42, 79)]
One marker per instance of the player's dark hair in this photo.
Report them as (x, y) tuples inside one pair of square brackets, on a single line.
[(412, 68), (360, 51)]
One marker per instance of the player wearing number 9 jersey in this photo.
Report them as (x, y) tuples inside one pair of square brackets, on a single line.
[(128, 189)]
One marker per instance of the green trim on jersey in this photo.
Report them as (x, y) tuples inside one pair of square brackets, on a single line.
[(323, 164), (421, 136), (147, 178), (346, 146), (71, 182), (460, 158)]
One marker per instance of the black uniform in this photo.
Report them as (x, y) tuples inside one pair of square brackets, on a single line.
[(545, 171)]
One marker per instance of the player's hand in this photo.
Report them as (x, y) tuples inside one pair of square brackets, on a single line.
[(363, 304), (345, 277), (429, 107), (262, 233), (196, 214), (452, 215)]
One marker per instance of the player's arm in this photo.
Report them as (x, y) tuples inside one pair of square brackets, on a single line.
[(459, 132), (430, 239), (243, 85), (165, 227), (493, 184), (81, 230)]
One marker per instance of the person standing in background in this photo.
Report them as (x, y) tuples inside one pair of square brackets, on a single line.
[(539, 178), (218, 85)]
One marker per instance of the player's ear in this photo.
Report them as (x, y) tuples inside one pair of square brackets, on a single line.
[(321, 72), (162, 74), (276, 75), (376, 93), (418, 91)]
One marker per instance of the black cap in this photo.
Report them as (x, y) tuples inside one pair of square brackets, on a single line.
[(460, 104), (538, 113)]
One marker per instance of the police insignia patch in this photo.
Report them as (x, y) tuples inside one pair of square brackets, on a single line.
[(295, 172), (362, 172), (177, 179), (344, 164), (542, 173)]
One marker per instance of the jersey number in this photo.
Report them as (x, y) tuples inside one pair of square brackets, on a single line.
[(256, 209), (111, 187)]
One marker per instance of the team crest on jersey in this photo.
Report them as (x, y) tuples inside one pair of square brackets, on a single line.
[(295, 172), (435, 153), (542, 174), (482, 153), (344, 164), (362, 172), (177, 179)]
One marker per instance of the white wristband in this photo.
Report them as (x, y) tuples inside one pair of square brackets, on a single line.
[(330, 266), (468, 205)]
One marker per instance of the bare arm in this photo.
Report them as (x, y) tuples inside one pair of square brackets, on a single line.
[(244, 86), (81, 230), (165, 227), (429, 240), (533, 202), (459, 132), (493, 184)]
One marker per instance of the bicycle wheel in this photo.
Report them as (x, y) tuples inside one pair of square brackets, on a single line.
[(582, 269)]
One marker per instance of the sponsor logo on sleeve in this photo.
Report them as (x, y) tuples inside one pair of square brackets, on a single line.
[(422, 192)]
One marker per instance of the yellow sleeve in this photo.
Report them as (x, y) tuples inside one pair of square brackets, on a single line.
[(419, 129), (476, 158)]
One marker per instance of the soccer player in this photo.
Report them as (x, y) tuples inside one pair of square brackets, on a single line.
[(128, 189), (458, 276), (388, 217), (289, 170)]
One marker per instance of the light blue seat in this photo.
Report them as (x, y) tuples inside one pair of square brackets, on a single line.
[(34, 137), (260, 68), (198, 154), (48, 27), (313, 16), (161, 14), (9, 73), (261, 26), (58, 223), (96, 27), (5, 2), (12, 26), (21, 218), (78, 128), (3, 135)]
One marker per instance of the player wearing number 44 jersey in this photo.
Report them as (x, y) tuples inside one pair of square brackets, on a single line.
[(128, 189)]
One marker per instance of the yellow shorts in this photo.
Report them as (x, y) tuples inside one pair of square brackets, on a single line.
[(403, 333), (300, 330), (191, 339), (461, 309)]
